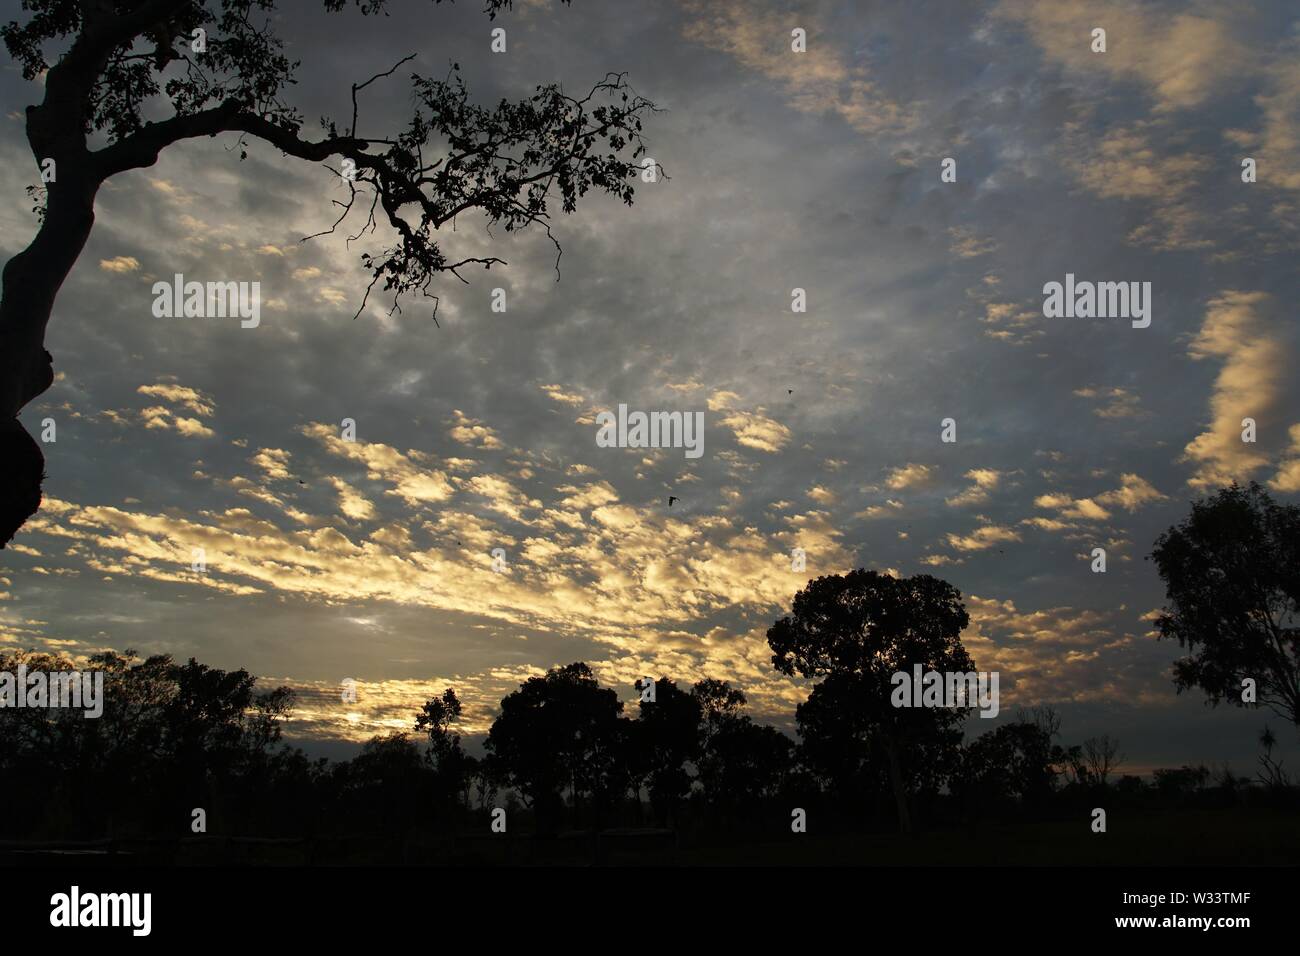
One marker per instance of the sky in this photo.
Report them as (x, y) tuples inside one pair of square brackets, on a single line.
[(817, 170)]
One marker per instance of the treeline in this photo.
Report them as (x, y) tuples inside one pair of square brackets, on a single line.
[(563, 753)]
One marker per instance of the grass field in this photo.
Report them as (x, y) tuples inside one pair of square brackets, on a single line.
[(1238, 837)]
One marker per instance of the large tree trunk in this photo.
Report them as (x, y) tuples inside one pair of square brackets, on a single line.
[(896, 781), (31, 279)]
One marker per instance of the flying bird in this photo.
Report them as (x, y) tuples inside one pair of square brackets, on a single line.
[(671, 499)]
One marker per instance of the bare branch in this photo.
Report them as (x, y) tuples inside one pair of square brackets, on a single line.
[(362, 86)]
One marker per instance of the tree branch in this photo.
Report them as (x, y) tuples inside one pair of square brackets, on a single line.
[(141, 148)]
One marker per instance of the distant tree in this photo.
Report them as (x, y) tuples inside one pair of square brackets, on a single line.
[(741, 763), (861, 628), (121, 81), (1100, 757), (434, 721), (1129, 785), (487, 778), (1232, 575), (1181, 783), (556, 733), (1012, 765), (720, 707), (621, 770), (753, 762), (171, 735), (669, 732), (1270, 773), (213, 718), (452, 766), (387, 785), (719, 703), (1042, 716)]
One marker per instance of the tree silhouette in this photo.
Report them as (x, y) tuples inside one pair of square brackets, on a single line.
[(1100, 758), (1271, 773), (719, 707), (386, 784), (719, 703), (557, 732), (210, 68), (1232, 579), (669, 736), (856, 631), (171, 737), (836, 743), (1012, 763), (1180, 784), (453, 768), (748, 764)]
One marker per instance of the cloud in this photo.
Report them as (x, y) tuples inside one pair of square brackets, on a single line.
[(1247, 386), (1070, 507), (469, 431), (1128, 163), (158, 417), (411, 475), (556, 393), (824, 79), (1288, 474), (985, 480), (722, 399), (1179, 59), (967, 245), (273, 462), (1133, 492), (351, 502), (1118, 402), (1012, 323), (822, 495), (909, 476), (983, 538), (120, 264), (1054, 654), (878, 511), (756, 430), (627, 573), (1279, 141), (190, 398), (173, 192), (161, 418)]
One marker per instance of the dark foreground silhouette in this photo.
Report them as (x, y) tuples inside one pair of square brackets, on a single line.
[(691, 779)]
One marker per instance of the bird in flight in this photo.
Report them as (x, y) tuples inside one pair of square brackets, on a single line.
[(671, 499)]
